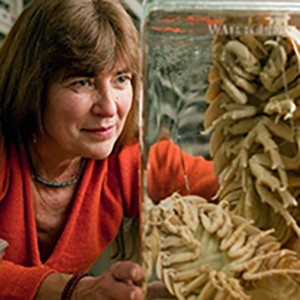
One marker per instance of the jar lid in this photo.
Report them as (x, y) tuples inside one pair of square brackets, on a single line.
[(222, 5)]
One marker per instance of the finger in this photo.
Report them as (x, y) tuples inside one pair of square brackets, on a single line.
[(157, 289), (127, 271), (121, 290)]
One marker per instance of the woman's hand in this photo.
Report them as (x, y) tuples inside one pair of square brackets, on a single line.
[(122, 281), (157, 290)]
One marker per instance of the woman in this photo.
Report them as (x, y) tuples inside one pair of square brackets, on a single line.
[(68, 155)]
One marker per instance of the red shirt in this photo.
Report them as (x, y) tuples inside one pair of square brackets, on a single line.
[(108, 191)]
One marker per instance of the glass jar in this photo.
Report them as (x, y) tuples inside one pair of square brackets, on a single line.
[(220, 160)]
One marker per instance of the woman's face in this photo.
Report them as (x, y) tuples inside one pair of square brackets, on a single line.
[(84, 116)]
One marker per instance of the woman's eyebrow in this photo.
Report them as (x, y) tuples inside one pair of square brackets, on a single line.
[(78, 74), (123, 70)]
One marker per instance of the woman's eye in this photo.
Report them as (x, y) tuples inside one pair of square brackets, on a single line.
[(83, 83), (124, 78)]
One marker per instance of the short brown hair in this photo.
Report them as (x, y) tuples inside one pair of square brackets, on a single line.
[(53, 37)]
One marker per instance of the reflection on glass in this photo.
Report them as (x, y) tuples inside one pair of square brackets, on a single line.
[(220, 148)]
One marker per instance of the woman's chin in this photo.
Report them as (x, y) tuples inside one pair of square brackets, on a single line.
[(100, 154)]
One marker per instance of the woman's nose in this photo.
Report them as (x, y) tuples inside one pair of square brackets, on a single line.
[(105, 104)]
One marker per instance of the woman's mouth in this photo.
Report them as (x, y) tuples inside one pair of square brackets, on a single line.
[(102, 132)]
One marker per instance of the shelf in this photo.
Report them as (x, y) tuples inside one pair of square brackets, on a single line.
[(135, 6), (6, 21)]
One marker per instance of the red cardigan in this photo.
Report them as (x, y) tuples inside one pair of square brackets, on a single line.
[(108, 191)]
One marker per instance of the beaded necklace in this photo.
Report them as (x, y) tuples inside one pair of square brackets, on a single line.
[(53, 183)]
